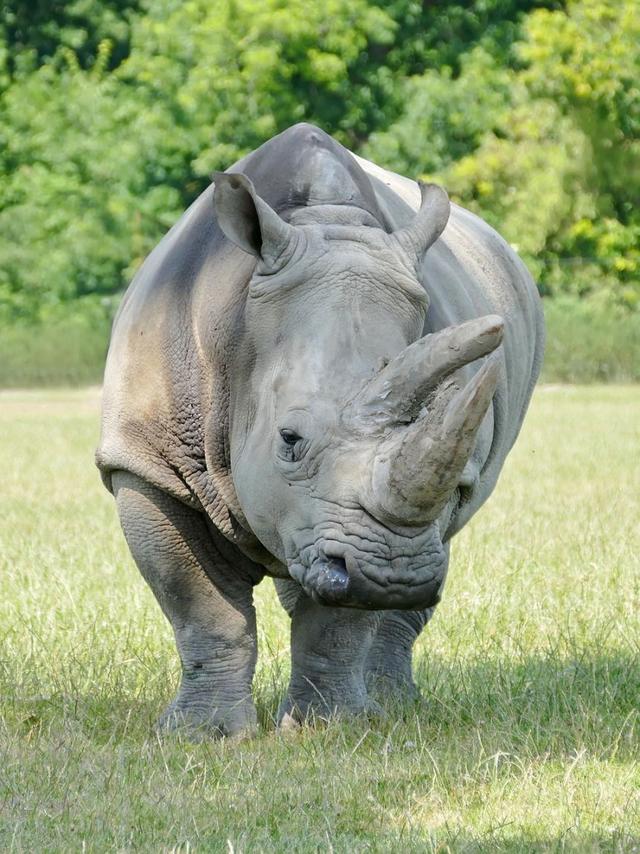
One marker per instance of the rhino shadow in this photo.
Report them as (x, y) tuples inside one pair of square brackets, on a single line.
[(559, 702)]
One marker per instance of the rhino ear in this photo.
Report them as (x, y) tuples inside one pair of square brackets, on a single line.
[(429, 222), (248, 221)]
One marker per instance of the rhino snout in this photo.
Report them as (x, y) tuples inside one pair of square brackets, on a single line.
[(355, 581)]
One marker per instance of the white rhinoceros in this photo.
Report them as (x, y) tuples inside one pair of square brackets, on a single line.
[(316, 375)]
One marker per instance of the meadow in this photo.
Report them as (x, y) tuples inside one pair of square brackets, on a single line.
[(528, 734)]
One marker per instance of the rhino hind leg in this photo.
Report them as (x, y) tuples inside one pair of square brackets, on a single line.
[(289, 593), (328, 653), (208, 603), (389, 665)]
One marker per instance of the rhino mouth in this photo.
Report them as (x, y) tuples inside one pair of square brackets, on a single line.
[(337, 575)]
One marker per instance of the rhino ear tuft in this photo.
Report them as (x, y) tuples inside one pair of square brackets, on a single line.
[(248, 221)]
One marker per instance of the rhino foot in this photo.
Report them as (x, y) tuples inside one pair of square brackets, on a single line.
[(196, 724), (295, 713), (392, 686), (208, 602)]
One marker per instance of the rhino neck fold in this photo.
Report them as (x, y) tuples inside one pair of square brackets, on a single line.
[(324, 214)]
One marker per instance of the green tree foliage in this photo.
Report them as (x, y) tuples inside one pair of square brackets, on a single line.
[(445, 118), (434, 35), (547, 150), (113, 115), (236, 72), (35, 30), (78, 209), (97, 164), (588, 62)]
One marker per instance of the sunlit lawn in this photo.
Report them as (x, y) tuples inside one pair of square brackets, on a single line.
[(528, 735)]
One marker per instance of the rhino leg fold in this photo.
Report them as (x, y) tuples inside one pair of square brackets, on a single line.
[(208, 603), (328, 652)]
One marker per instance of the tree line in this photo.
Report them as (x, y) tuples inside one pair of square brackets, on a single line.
[(114, 113)]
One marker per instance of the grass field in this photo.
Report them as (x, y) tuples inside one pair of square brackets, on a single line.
[(528, 736)]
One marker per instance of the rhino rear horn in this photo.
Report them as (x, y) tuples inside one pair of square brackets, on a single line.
[(249, 222)]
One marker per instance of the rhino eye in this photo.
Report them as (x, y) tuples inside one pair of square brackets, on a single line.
[(290, 437)]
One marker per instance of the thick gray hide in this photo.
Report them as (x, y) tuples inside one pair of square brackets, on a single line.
[(272, 407)]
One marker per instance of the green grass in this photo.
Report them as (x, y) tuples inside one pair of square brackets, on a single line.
[(528, 737)]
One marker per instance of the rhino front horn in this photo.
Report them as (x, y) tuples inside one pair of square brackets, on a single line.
[(419, 465), (397, 393)]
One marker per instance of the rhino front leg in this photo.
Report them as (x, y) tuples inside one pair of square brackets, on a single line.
[(208, 602), (328, 653)]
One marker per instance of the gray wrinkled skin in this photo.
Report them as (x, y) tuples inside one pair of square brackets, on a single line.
[(316, 375)]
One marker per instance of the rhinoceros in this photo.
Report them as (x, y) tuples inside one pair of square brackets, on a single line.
[(316, 376)]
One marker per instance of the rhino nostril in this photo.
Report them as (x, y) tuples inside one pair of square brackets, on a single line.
[(332, 579)]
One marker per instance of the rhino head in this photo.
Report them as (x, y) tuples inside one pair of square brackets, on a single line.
[(350, 433)]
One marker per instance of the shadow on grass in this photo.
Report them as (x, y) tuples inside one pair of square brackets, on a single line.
[(550, 701), (617, 842), (541, 704)]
